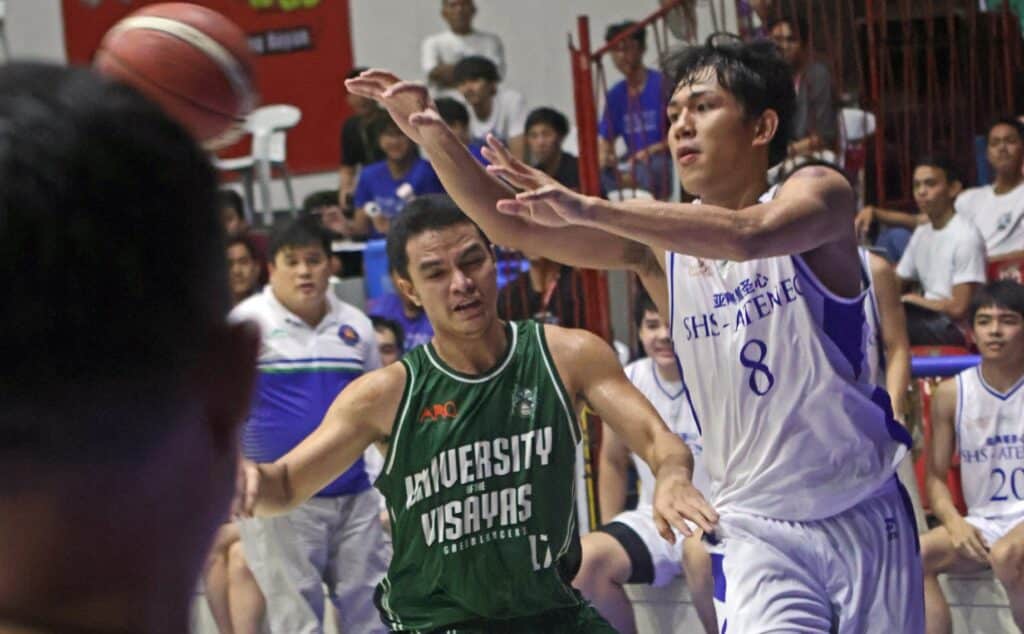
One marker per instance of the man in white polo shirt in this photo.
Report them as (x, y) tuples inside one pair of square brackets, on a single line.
[(441, 51), (998, 209), (946, 257), (313, 345)]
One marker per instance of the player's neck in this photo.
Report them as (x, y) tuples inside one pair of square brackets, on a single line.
[(1002, 375), (1006, 182), (739, 191), (474, 355)]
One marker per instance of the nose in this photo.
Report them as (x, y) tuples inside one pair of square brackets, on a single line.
[(462, 283)]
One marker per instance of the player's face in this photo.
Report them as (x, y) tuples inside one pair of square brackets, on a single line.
[(458, 14), (299, 276), (999, 333), (544, 143), (785, 38), (933, 192), (628, 56), (395, 145), (452, 275), (243, 270), (477, 91), (387, 345), (1005, 149), (654, 337), (709, 134)]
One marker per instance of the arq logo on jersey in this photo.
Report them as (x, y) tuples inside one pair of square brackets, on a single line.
[(348, 334), (524, 402), (439, 411)]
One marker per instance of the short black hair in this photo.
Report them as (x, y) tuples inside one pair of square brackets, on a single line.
[(452, 111), (230, 199), (356, 72), (383, 323), (304, 231), (641, 305), (1013, 122), (548, 116), (245, 241), (475, 67), (423, 213), (939, 161), (112, 264), (753, 72), (312, 203), (797, 23), (1001, 294), (640, 35)]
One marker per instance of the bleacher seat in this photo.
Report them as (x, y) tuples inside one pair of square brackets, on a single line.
[(1006, 268)]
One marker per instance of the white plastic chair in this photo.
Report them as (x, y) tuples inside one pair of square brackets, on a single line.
[(855, 126), (268, 126)]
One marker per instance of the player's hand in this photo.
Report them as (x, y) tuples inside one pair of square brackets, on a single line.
[(512, 170), (247, 489), (862, 223), (968, 541), (551, 205), (401, 99), (677, 500)]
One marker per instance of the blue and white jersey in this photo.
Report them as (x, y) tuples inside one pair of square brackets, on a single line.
[(776, 370), (301, 370), (990, 435), (669, 399)]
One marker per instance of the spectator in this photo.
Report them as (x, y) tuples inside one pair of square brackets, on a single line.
[(899, 225), (546, 129), (245, 268), (456, 115), (384, 188), (406, 313), (232, 212), (125, 386), (998, 209), (493, 109), (816, 120), (549, 292), (635, 112), (313, 346), (442, 51), (234, 597), (946, 256), (359, 145), (389, 339)]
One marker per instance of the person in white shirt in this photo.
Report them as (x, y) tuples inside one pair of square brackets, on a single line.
[(981, 413), (441, 51), (998, 209), (946, 257), (492, 108)]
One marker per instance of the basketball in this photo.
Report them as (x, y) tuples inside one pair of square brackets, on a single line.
[(191, 60)]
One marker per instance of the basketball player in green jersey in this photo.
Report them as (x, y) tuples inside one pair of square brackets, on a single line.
[(479, 436)]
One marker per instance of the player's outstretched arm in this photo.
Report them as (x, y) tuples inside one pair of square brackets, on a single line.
[(966, 539), (894, 333), (591, 371), (363, 413)]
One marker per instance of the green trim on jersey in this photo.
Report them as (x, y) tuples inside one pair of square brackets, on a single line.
[(479, 481)]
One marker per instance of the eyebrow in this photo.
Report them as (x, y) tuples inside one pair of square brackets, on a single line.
[(694, 94)]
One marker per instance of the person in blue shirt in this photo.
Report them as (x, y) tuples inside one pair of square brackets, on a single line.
[(385, 187), (456, 115), (635, 112), (416, 328)]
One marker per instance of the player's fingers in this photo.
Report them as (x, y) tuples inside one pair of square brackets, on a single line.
[(500, 149), (364, 87), (380, 74), (513, 207), (548, 192), (410, 88), (507, 174), (428, 118), (695, 514), (663, 528), (678, 520)]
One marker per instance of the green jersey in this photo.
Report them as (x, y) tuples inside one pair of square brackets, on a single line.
[(480, 486)]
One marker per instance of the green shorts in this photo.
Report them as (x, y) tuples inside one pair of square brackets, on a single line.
[(581, 619)]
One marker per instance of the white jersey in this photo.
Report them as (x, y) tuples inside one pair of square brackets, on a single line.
[(776, 370), (990, 435), (669, 398)]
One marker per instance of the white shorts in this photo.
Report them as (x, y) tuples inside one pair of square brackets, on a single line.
[(665, 558), (856, 572), (994, 528)]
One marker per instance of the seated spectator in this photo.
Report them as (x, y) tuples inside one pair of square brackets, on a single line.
[(549, 292), (493, 109), (980, 416), (998, 209), (236, 602), (546, 129), (898, 227), (406, 313), (232, 212), (635, 112), (245, 268), (946, 256), (390, 339), (441, 51), (359, 145), (816, 120), (384, 187), (456, 115)]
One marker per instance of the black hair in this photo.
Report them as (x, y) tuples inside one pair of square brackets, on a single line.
[(231, 199), (475, 67), (941, 162), (423, 213), (355, 72), (641, 305), (1013, 122), (452, 111), (383, 323), (112, 264), (312, 203), (753, 73), (1002, 294), (304, 231), (640, 35), (549, 116), (797, 23), (246, 242)]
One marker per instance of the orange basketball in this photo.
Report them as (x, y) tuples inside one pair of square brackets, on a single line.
[(190, 59)]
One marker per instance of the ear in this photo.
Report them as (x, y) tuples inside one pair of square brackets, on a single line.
[(955, 188), (226, 378), (407, 290), (765, 128)]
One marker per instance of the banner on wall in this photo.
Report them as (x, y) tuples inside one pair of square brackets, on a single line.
[(302, 48)]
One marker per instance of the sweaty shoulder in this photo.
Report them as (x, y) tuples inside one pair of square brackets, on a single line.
[(578, 353), (823, 182)]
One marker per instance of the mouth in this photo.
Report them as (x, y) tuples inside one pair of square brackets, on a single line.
[(468, 306), (307, 287), (687, 155)]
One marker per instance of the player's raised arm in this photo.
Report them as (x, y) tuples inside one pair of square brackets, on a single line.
[(363, 413), (592, 372)]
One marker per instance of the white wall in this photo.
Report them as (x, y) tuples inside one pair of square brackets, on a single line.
[(34, 30)]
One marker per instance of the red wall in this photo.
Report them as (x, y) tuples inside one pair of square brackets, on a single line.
[(310, 79)]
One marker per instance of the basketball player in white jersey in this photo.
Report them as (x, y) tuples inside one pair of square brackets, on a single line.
[(981, 412), (628, 549), (765, 296)]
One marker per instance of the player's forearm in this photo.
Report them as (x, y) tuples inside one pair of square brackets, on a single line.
[(941, 500), (667, 453), (897, 379)]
